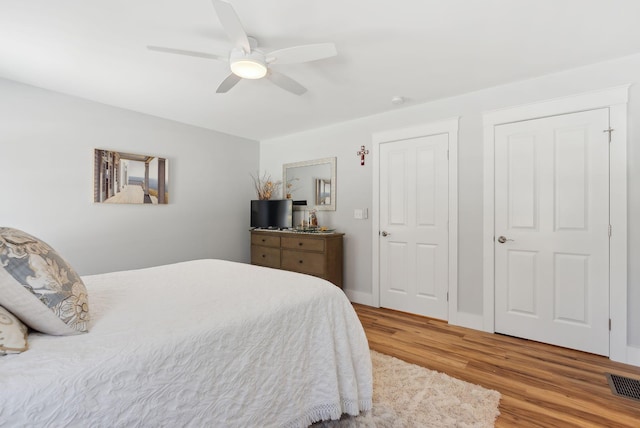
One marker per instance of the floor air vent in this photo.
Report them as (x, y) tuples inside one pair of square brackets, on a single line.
[(624, 386)]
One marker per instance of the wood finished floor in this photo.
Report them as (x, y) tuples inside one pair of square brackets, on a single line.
[(541, 385)]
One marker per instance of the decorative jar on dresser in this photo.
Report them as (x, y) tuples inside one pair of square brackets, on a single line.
[(317, 254)]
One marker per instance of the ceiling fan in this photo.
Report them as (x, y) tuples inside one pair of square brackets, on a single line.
[(247, 61)]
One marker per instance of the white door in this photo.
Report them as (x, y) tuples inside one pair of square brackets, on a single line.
[(552, 230), (413, 223)]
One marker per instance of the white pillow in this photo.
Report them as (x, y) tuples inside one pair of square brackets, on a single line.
[(13, 334), (40, 287)]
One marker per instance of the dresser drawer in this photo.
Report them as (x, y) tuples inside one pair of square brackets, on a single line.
[(266, 240), (265, 256), (304, 262), (314, 254), (302, 243)]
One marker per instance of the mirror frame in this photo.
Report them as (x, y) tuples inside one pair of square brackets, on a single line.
[(332, 163)]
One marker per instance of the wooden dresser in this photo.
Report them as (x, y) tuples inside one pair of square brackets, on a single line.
[(317, 254)]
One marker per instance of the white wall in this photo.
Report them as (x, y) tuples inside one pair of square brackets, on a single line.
[(354, 182), (46, 172)]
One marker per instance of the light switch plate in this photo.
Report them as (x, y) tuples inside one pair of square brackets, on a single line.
[(360, 213)]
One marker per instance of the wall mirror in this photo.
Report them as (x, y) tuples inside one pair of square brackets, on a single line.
[(312, 181)]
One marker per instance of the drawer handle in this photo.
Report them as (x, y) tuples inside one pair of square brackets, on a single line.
[(300, 244), (264, 255), (264, 240), (300, 261)]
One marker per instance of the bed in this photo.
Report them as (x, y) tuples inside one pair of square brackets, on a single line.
[(199, 343)]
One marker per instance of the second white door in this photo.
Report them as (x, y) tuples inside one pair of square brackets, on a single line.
[(414, 225), (552, 230)]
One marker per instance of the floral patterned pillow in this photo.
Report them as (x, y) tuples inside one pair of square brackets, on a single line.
[(13, 334), (39, 287)]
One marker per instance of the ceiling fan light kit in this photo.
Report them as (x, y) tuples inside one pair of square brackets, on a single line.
[(248, 68), (247, 62)]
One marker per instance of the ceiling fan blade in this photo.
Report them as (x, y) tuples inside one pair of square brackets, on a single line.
[(302, 53), (231, 23), (286, 83), (189, 53), (228, 83)]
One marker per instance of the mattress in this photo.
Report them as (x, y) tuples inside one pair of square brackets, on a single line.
[(200, 343)]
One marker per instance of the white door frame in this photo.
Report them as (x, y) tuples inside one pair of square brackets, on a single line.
[(616, 100), (448, 126)]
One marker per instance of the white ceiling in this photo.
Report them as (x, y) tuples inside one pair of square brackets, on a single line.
[(419, 49)]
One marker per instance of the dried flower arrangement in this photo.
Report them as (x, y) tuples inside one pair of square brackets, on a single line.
[(265, 186)]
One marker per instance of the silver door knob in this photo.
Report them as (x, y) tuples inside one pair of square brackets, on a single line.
[(385, 233), (503, 239)]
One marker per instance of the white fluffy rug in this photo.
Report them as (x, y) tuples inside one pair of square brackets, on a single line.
[(406, 395)]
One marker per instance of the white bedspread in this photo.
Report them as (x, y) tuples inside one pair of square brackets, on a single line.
[(206, 343)]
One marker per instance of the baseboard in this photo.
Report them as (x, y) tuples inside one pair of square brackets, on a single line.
[(359, 297), (465, 319), (633, 356), (462, 319)]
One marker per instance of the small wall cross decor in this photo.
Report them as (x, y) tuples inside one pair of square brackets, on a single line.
[(362, 153)]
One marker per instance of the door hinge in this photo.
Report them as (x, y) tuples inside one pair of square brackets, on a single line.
[(610, 130), (609, 231), (447, 296), (447, 154), (609, 324)]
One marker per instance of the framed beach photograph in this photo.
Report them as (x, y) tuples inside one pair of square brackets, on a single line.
[(127, 178)]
